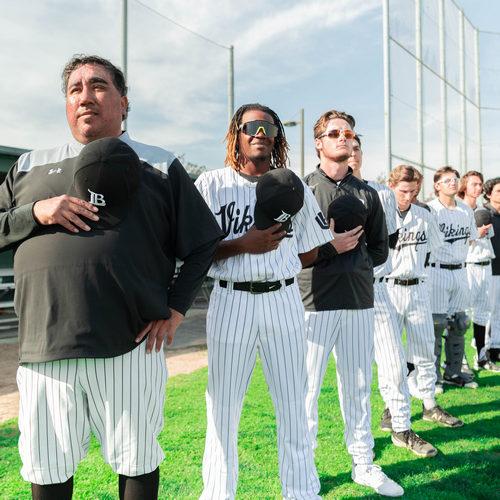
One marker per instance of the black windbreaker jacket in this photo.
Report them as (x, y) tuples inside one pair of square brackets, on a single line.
[(345, 281)]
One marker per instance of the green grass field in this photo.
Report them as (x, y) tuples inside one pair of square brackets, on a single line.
[(467, 466)]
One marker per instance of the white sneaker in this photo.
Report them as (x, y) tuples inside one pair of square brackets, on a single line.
[(372, 476)]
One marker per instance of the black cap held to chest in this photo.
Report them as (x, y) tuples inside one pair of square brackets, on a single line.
[(107, 174), (483, 217), (280, 195), (348, 212)]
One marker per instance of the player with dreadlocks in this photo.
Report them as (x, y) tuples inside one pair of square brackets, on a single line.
[(279, 153), (271, 227)]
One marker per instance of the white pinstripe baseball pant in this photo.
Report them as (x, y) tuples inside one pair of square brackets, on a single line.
[(240, 324), (494, 329), (413, 312), (349, 335), (450, 290), (391, 360), (119, 399), (479, 279)]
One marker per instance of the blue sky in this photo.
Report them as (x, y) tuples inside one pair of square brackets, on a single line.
[(288, 54)]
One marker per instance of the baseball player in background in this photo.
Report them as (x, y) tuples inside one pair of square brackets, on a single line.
[(338, 294), (389, 351), (88, 294), (492, 195), (415, 200), (255, 306), (408, 289), (450, 291), (479, 266)]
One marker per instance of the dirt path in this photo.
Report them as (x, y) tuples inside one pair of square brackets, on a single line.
[(179, 362)]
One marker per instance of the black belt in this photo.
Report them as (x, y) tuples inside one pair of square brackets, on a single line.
[(410, 282), (378, 280), (484, 263), (451, 267), (257, 286)]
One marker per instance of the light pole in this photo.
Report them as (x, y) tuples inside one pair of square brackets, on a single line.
[(294, 124)]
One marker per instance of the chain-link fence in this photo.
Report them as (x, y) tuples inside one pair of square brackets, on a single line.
[(436, 73)]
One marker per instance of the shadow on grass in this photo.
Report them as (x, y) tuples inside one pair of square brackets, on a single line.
[(472, 408), (476, 476), (329, 483), (486, 428), (488, 381)]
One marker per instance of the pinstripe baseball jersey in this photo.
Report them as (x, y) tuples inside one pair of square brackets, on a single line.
[(231, 197), (418, 235), (458, 227), (481, 250), (388, 201)]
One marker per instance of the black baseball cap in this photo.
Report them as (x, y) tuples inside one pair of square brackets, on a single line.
[(280, 195), (482, 216), (107, 174), (348, 212)]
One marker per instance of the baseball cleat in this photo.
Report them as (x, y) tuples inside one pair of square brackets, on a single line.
[(386, 421), (440, 416), (413, 442), (488, 366), (494, 354), (462, 380), (372, 476)]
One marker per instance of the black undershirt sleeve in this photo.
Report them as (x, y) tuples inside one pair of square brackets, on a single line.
[(327, 251), (190, 278), (197, 235), (16, 223)]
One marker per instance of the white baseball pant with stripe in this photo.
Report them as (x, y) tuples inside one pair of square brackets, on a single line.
[(119, 399), (494, 330), (450, 290), (479, 279), (413, 313), (349, 335), (240, 325), (391, 360)]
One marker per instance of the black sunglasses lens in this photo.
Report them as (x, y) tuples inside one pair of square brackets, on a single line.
[(257, 126)]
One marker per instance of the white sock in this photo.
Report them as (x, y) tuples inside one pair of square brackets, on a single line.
[(429, 403)]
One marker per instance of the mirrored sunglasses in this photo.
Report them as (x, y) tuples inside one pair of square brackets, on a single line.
[(335, 134), (255, 127)]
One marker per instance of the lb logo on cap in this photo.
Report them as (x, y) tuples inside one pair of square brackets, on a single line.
[(280, 195)]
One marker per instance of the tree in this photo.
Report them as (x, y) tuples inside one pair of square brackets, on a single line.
[(194, 170)]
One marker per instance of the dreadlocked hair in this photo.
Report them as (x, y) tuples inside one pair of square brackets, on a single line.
[(279, 154)]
